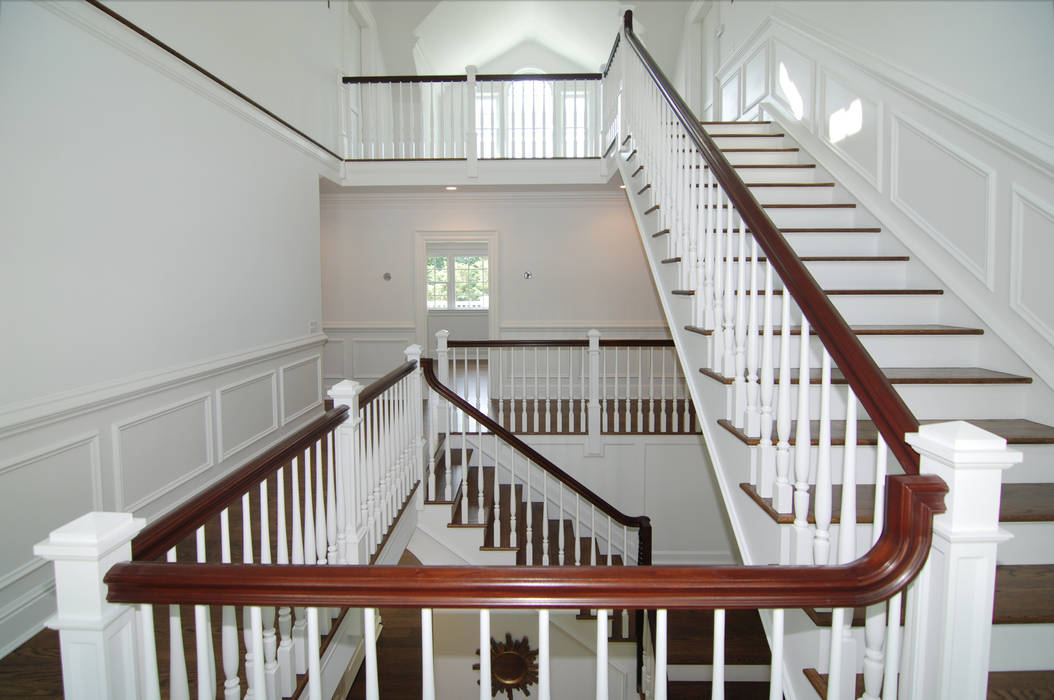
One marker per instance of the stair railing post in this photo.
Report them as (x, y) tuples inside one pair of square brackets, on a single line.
[(949, 621), (98, 640), (593, 435), (471, 150), (442, 355), (413, 354), (347, 455)]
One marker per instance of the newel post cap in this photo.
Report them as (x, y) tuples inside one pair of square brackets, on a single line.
[(346, 393), (962, 444), (413, 353), (92, 536)]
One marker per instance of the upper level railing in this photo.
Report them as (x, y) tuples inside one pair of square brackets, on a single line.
[(473, 117)]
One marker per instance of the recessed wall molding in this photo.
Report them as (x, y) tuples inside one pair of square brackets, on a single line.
[(265, 384), (756, 77), (39, 412), (346, 326), (1023, 203), (34, 604), (95, 22), (311, 370), (40, 458), (172, 455), (902, 127), (829, 79)]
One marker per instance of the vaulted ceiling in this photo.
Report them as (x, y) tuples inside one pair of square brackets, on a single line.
[(423, 36)]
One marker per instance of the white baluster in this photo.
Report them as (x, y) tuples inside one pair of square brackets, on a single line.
[(729, 366), (514, 502), (253, 660), (543, 655), (781, 497), (753, 416), (560, 557), (842, 678), (179, 688), (663, 427), (802, 445), (615, 394), (300, 622), (428, 679), (229, 624), (640, 389), (204, 652), (602, 654), (545, 517), (258, 684), (284, 653), (776, 664), (739, 386), (766, 453), (659, 692), (314, 654), (559, 388), (501, 379), (269, 641), (718, 685), (484, 655), (822, 502), (529, 519), (651, 389), (891, 678), (151, 686), (875, 624), (548, 397), (523, 401), (537, 396), (369, 626)]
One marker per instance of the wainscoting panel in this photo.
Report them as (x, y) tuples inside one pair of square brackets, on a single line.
[(301, 385), (730, 98), (368, 351), (949, 194), (248, 411), (156, 452), (53, 485), (851, 124), (1032, 249), (793, 81), (755, 78)]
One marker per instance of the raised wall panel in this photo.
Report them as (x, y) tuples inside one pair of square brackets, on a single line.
[(792, 81), (948, 193), (1032, 247), (755, 78), (248, 410), (730, 98), (852, 125), (301, 384), (158, 451), (42, 491)]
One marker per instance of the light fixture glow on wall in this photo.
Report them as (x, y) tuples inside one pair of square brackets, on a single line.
[(451, 188)]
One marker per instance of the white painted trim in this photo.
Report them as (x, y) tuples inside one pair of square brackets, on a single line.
[(763, 51), (421, 241), (92, 441), (1020, 197), (118, 464), (273, 374), (584, 326), (999, 128), (874, 178), (700, 557), (31, 597), (349, 326), (566, 197), (21, 417), (317, 359), (117, 35), (986, 274)]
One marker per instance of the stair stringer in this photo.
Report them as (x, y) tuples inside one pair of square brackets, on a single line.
[(758, 540)]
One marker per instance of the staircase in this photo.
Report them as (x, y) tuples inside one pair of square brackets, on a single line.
[(933, 350)]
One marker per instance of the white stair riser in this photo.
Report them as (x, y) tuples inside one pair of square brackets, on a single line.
[(738, 128), (752, 141), (1022, 647), (763, 157), (1033, 543)]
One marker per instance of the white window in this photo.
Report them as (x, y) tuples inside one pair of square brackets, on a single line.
[(457, 278)]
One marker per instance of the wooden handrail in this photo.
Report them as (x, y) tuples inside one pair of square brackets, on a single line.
[(490, 77), (887, 409), (386, 382), (569, 343), (514, 77), (167, 531), (428, 369), (611, 56), (886, 569)]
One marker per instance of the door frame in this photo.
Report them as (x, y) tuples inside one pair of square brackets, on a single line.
[(421, 241)]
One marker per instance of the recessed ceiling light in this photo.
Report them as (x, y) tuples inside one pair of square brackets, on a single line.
[(451, 188), (621, 187)]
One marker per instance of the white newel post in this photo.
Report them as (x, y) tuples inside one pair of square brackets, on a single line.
[(413, 354), (98, 640), (345, 441), (442, 356), (949, 621), (593, 437), (471, 152)]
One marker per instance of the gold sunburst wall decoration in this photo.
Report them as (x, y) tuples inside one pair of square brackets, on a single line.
[(513, 666)]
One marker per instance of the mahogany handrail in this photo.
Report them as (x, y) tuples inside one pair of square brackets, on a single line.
[(570, 342), (887, 409), (490, 77), (386, 382), (428, 369), (166, 532), (887, 568)]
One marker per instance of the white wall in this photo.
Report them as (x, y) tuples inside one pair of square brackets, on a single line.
[(937, 149), (160, 272), (581, 248)]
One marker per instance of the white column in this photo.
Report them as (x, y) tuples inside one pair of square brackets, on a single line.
[(949, 621), (593, 437), (98, 640), (345, 441), (471, 152)]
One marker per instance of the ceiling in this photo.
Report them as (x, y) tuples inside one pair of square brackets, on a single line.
[(437, 37)]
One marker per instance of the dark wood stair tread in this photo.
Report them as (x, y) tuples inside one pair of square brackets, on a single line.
[(1016, 431), (1002, 685), (1024, 594), (908, 375), (691, 638), (735, 690), (878, 329)]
